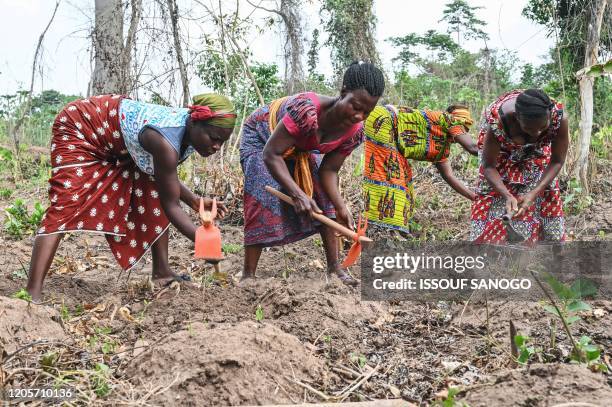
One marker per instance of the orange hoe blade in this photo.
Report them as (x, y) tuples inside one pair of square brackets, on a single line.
[(358, 237), (355, 250), (208, 236)]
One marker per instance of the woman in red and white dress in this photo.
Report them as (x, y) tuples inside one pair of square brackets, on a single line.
[(115, 172)]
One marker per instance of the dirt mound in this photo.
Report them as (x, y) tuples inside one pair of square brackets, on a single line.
[(246, 363), (22, 323), (543, 385), (324, 309)]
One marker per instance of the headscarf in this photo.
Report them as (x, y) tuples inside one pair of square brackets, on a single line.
[(461, 121), (216, 110)]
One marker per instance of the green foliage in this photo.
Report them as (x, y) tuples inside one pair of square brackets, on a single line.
[(569, 21), (231, 248), (99, 380), (601, 143), (359, 359), (19, 222), (23, 295), (461, 19), (5, 193), (313, 54), (449, 400), (589, 354), (524, 349), (211, 70), (575, 201), (36, 129), (350, 25), (49, 360), (570, 297), (259, 313)]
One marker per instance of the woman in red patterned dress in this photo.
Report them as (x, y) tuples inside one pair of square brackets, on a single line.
[(523, 144), (114, 172)]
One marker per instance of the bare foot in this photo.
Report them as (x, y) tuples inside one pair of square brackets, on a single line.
[(247, 276), (344, 276), (36, 295), (165, 277)]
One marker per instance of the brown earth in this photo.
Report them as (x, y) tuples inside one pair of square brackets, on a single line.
[(317, 341)]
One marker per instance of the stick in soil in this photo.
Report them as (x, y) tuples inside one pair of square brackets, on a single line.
[(513, 348)]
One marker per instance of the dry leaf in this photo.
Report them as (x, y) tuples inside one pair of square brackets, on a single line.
[(125, 314)]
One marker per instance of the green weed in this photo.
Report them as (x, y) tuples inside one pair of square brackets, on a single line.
[(359, 359), (231, 248), (100, 381), (259, 313), (19, 222), (6, 193), (449, 400), (525, 352), (23, 295)]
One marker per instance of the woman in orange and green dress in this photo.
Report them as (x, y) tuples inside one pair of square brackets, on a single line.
[(395, 135)]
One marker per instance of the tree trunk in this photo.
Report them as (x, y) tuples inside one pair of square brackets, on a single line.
[(113, 58), (173, 7), (294, 68), (586, 92), (108, 43)]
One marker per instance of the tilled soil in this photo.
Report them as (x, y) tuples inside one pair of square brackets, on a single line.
[(291, 336)]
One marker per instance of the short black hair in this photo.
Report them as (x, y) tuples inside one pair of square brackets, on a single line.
[(456, 106), (364, 75), (533, 104)]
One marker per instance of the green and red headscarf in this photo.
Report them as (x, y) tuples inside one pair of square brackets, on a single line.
[(217, 110)]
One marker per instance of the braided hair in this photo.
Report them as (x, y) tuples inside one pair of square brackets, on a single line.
[(533, 104), (364, 75)]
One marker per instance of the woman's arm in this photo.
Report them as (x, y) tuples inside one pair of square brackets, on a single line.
[(559, 147), (467, 143), (165, 160), (328, 174), (490, 151), (277, 144), (447, 174), (189, 198)]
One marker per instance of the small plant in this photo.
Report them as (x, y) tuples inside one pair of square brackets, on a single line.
[(18, 222), (259, 313), (23, 295), (64, 313), (19, 274), (359, 359), (570, 297), (575, 200), (318, 242), (231, 248), (583, 351), (588, 353), (525, 352), (49, 360), (6, 193), (449, 399), (99, 380)]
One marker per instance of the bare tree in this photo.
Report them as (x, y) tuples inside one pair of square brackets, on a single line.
[(112, 67), (289, 12), (15, 129), (173, 7), (586, 91)]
